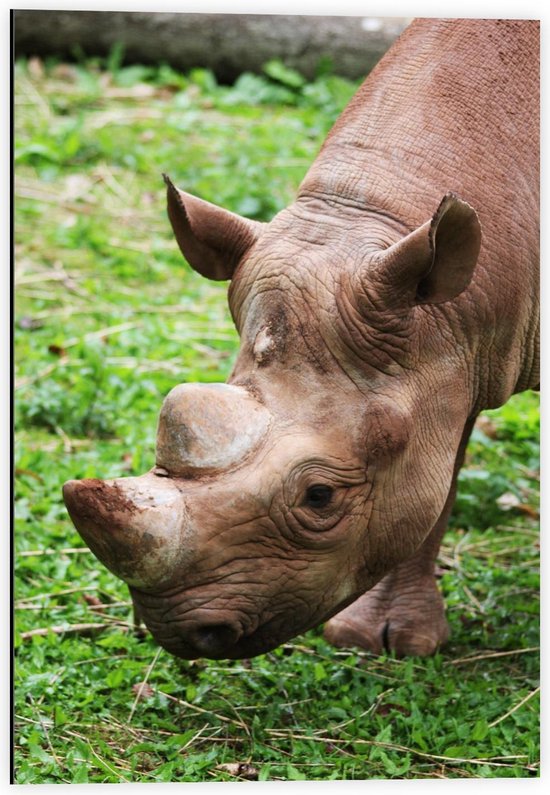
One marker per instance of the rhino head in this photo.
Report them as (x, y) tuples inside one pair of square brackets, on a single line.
[(280, 497)]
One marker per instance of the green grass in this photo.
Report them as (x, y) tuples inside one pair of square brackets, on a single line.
[(108, 319)]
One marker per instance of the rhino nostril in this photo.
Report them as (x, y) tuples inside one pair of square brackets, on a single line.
[(215, 639)]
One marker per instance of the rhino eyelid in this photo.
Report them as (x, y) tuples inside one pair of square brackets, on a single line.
[(161, 472)]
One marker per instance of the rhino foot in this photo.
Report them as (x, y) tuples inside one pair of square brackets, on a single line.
[(393, 617)]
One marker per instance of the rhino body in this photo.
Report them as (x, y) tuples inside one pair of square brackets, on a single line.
[(394, 300)]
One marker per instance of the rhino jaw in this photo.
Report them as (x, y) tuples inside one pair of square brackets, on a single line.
[(137, 527)]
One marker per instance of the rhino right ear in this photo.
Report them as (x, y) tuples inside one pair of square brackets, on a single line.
[(212, 240), (435, 262)]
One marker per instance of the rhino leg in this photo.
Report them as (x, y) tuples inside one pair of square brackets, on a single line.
[(404, 612)]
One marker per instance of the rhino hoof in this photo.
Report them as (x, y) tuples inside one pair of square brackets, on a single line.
[(404, 642), (379, 622)]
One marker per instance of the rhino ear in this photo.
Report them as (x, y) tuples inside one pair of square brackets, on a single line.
[(435, 263), (212, 240)]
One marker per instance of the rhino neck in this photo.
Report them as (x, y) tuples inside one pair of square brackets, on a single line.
[(416, 128), (374, 155), (350, 178)]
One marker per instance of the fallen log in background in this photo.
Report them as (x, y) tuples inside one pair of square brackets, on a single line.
[(229, 44)]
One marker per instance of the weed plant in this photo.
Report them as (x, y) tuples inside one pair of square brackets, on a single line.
[(108, 319)]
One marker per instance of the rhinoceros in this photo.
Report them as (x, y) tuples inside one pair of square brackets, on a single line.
[(378, 314)]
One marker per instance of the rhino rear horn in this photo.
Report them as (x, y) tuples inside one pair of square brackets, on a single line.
[(212, 240), (435, 262)]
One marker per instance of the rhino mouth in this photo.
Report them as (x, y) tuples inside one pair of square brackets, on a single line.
[(206, 632), (217, 642)]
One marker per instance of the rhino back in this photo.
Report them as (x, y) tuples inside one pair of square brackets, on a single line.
[(454, 106), (451, 106)]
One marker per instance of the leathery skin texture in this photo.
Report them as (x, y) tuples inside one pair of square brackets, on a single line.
[(395, 299)]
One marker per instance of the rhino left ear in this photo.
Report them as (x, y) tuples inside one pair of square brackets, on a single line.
[(212, 240), (435, 263)]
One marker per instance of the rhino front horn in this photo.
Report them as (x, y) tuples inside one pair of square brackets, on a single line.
[(137, 526), (208, 428)]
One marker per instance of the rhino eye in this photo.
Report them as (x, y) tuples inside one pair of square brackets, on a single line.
[(318, 496)]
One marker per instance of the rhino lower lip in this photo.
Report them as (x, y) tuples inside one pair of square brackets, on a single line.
[(250, 646), (218, 642)]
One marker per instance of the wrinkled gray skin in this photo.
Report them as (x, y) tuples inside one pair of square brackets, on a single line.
[(378, 314)]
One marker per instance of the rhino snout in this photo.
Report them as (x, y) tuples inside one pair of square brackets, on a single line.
[(212, 631)]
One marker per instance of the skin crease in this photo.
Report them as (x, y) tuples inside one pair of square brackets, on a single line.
[(376, 321)]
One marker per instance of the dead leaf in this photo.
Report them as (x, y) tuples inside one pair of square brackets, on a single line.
[(240, 770), (507, 501), (90, 599), (386, 709), (36, 68), (143, 690), (29, 473), (30, 323), (57, 350), (65, 72), (528, 510), (76, 186), (487, 426)]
